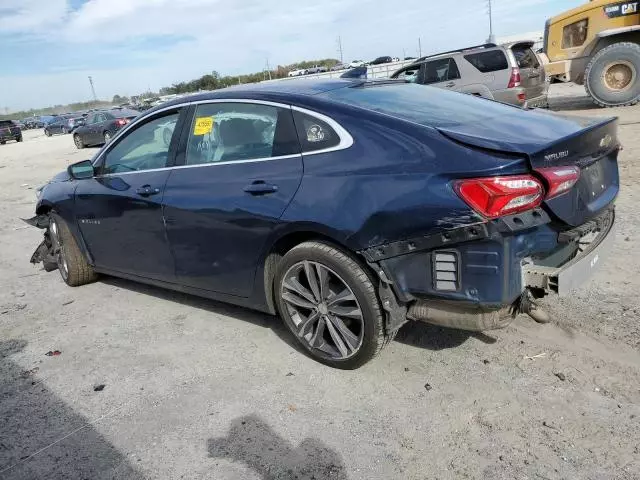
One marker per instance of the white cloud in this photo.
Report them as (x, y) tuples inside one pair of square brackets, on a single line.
[(31, 16)]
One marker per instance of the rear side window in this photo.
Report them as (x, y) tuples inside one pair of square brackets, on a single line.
[(314, 134), (491, 61), (441, 70), (231, 132)]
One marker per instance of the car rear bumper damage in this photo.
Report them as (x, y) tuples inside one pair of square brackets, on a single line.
[(481, 281)]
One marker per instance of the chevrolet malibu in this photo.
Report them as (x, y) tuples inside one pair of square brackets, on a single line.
[(347, 207)]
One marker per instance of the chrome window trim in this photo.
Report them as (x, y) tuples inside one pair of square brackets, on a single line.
[(346, 140)]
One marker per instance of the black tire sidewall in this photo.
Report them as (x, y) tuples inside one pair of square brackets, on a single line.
[(373, 326), (595, 69), (78, 141)]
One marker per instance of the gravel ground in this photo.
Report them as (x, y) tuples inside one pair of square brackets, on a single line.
[(198, 389)]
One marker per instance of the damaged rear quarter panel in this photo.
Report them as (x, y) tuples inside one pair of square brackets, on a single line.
[(393, 183)]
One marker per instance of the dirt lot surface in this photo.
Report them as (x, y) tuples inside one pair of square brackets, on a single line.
[(197, 389)]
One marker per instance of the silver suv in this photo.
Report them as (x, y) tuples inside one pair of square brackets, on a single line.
[(509, 73)]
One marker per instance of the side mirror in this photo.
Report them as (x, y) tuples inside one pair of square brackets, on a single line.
[(81, 170)]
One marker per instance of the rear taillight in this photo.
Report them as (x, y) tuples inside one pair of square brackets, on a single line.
[(522, 97), (497, 196), (120, 122), (559, 179), (514, 80)]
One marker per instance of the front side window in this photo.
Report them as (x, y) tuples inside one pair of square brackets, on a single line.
[(90, 119), (441, 70), (409, 74), (575, 35), (485, 62), (144, 148), (230, 132)]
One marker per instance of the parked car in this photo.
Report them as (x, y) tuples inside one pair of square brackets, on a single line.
[(297, 73), (348, 207), (32, 122), (358, 72), (381, 60), (100, 126), (357, 63), (316, 69), (10, 130), (63, 124), (409, 58), (509, 73), (339, 66)]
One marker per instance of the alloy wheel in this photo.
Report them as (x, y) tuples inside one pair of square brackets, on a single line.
[(323, 309), (61, 260), (107, 137)]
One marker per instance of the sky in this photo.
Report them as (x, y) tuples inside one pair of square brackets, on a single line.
[(50, 47)]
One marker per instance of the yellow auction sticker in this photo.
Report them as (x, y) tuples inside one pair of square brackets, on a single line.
[(203, 125)]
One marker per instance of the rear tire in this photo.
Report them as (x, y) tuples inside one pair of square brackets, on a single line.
[(107, 137), (19, 139), (72, 264), (612, 77), (47, 133), (359, 311)]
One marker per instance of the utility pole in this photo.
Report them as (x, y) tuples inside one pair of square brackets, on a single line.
[(340, 49), (93, 90), (491, 38), (419, 48), (268, 69)]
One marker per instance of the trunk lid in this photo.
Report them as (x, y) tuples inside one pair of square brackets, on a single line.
[(549, 140), (532, 74)]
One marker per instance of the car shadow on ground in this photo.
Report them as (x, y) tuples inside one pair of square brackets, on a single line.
[(219, 308), (572, 102), (433, 337), (252, 442), (42, 437), (417, 334)]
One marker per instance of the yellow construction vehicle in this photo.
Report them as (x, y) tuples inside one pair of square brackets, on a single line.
[(598, 45)]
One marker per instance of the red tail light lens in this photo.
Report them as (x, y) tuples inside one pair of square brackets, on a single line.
[(559, 179), (514, 80), (494, 197), (120, 122)]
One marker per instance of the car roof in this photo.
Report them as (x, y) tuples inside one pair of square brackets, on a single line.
[(267, 90)]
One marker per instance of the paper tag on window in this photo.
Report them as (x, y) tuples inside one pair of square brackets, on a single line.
[(203, 125)]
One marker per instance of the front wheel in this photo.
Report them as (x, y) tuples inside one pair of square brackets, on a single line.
[(329, 303), (107, 137), (72, 264), (78, 141), (47, 133), (612, 77)]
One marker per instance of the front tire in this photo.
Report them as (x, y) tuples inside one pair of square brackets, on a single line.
[(329, 302), (78, 141), (47, 133), (107, 137), (612, 77), (72, 264), (19, 139)]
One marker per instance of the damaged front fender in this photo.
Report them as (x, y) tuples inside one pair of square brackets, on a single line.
[(40, 221), (45, 252)]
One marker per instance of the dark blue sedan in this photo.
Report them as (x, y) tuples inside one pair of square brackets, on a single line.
[(348, 207)]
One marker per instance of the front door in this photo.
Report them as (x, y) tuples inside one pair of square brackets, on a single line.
[(119, 211), (442, 73), (242, 168)]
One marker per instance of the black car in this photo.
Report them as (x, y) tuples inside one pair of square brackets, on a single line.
[(100, 126), (9, 130), (63, 124), (381, 60)]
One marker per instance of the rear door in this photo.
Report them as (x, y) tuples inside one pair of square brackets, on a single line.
[(442, 73), (241, 169), (532, 75)]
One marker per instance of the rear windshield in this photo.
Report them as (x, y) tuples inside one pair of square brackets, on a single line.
[(491, 61), (421, 104)]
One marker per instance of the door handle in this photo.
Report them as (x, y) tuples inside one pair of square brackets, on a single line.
[(259, 187), (147, 191), (450, 84)]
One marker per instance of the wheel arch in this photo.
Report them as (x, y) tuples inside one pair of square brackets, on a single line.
[(285, 240)]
